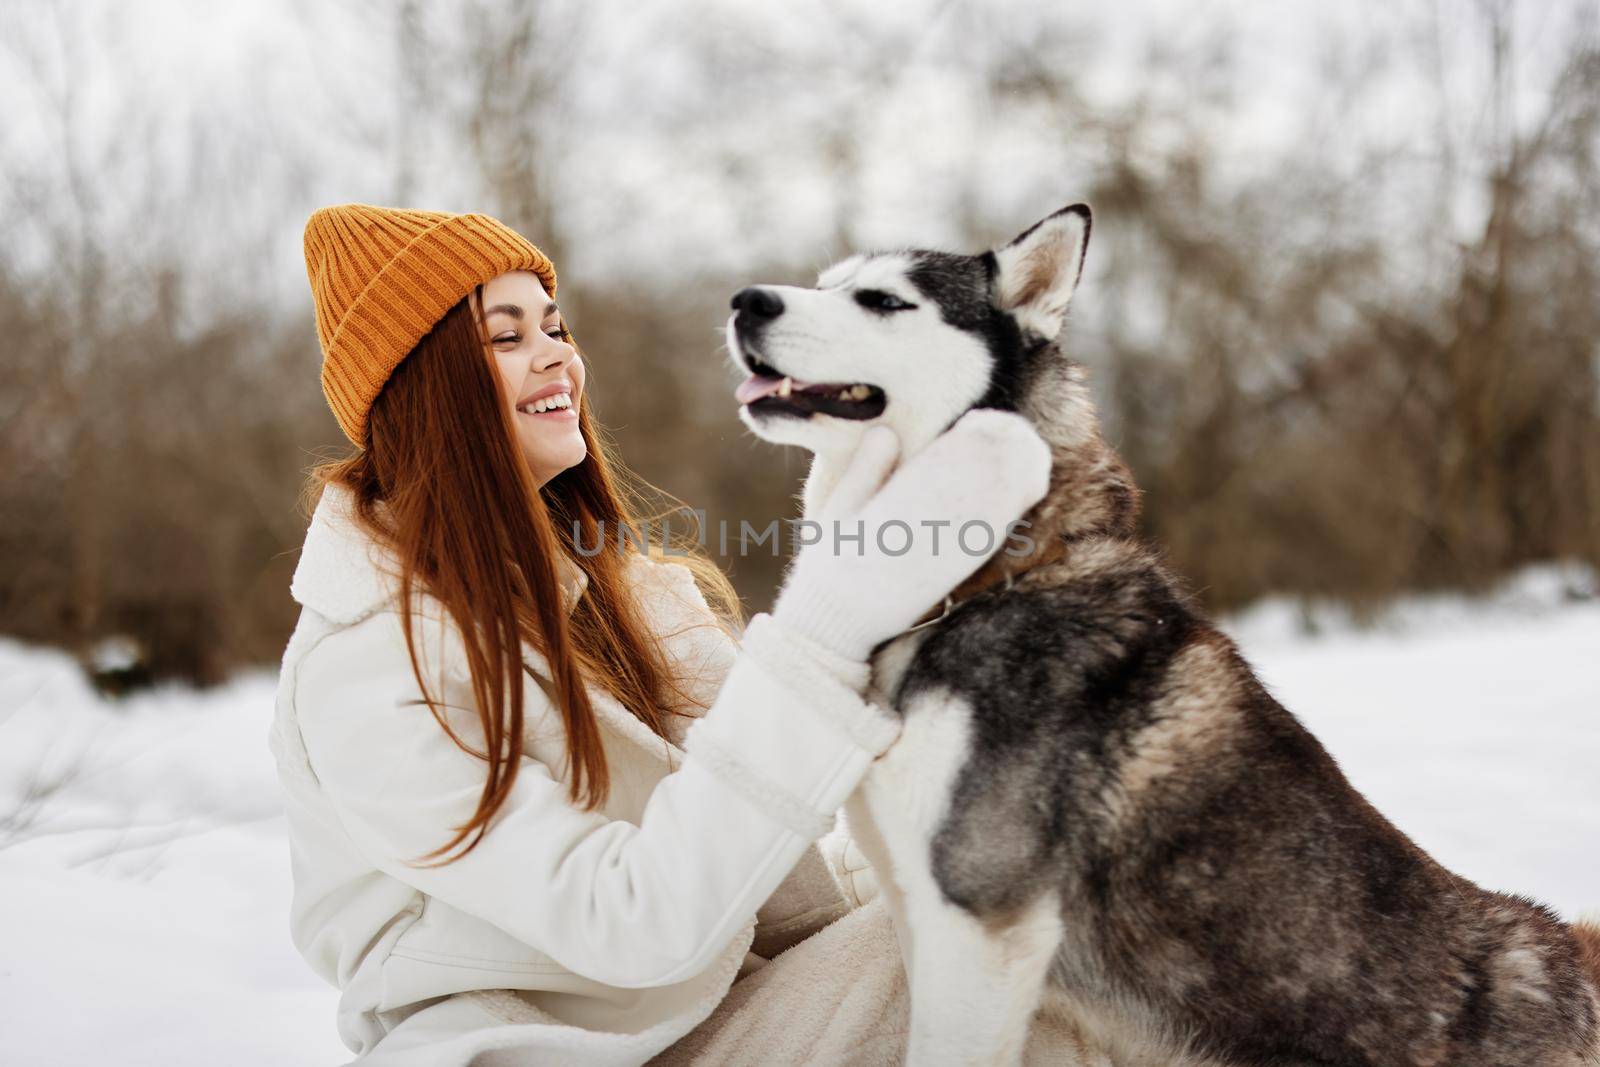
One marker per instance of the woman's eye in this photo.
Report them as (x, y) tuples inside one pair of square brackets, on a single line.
[(878, 300), (507, 338), (558, 332)]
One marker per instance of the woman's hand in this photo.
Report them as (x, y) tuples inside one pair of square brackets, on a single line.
[(850, 593)]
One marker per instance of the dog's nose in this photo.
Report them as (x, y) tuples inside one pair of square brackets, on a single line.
[(759, 302)]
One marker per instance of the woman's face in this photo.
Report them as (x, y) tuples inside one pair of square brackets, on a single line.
[(540, 374)]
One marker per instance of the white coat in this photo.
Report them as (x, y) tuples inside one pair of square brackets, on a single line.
[(617, 931)]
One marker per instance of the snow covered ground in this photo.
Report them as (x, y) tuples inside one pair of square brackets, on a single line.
[(144, 877)]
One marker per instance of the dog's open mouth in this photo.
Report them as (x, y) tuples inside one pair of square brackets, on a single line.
[(766, 392)]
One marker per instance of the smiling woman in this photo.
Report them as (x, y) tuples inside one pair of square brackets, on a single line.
[(542, 801), (541, 373)]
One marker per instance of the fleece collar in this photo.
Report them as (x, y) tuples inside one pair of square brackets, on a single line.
[(345, 574)]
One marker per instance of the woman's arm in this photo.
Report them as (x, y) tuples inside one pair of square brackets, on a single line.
[(701, 651), (627, 905)]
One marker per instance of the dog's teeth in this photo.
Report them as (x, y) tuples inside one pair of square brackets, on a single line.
[(858, 392), (785, 386), (847, 394)]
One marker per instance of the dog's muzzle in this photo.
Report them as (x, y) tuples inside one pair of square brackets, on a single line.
[(769, 391)]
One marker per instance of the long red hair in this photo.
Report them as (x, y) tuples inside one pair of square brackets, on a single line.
[(442, 483)]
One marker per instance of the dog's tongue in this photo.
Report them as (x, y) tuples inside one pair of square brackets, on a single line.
[(757, 386)]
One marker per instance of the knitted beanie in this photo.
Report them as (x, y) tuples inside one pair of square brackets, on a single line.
[(382, 278)]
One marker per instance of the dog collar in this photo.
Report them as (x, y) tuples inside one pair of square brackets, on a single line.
[(981, 582), (950, 603)]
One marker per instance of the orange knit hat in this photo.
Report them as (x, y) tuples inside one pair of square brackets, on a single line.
[(383, 277)]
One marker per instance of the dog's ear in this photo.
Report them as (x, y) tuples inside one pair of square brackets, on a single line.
[(1037, 272)]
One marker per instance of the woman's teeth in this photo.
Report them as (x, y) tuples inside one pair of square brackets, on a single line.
[(548, 403)]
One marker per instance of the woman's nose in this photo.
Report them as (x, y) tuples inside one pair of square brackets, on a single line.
[(551, 355)]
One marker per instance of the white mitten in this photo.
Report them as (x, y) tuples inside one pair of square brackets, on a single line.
[(849, 594)]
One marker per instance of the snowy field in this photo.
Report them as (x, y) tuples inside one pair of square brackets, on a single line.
[(145, 877)]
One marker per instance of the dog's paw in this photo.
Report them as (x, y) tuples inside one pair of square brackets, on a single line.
[(851, 869), (862, 877)]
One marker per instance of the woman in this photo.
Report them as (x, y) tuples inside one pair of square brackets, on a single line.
[(509, 845)]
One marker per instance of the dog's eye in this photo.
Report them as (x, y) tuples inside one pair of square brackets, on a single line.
[(878, 300)]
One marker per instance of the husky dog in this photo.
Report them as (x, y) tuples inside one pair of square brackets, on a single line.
[(1094, 808)]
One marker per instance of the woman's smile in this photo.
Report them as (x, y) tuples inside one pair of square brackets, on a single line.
[(551, 402)]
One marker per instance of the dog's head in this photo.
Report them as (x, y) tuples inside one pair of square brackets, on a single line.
[(913, 340)]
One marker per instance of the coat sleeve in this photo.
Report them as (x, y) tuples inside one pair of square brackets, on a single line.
[(784, 743), (817, 890)]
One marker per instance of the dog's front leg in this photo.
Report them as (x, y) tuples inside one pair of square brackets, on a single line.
[(865, 833), (975, 980)]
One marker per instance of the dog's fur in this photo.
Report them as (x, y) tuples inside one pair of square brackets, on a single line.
[(1095, 809)]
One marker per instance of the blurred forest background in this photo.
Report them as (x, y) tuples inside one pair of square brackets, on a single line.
[(1342, 306)]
